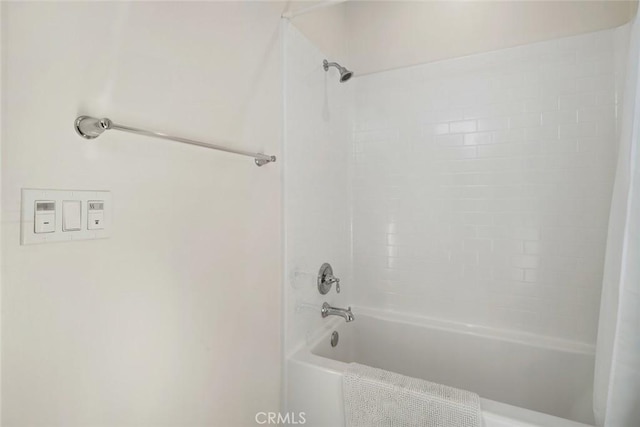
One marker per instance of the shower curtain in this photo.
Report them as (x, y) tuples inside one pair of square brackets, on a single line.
[(616, 394)]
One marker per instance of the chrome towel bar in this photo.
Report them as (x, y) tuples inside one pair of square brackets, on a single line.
[(91, 127)]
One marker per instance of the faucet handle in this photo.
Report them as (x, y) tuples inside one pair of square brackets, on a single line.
[(326, 279)]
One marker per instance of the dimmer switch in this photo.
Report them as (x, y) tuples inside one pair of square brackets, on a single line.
[(44, 220)]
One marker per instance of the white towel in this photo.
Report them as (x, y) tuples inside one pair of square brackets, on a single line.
[(378, 398)]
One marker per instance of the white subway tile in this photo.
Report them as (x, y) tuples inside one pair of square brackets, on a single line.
[(541, 133), (507, 246), (478, 138), (456, 153), (541, 104), (596, 66), (435, 129), (488, 181), (449, 140), (527, 91), (580, 130), (555, 118), (605, 97), (525, 261), (606, 128), (532, 247), (557, 87), (524, 120), (514, 149), (477, 245), (503, 272), (450, 115), (511, 135), (572, 102), (594, 84), (464, 126), (560, 146), (497, 123), (596, 114), (476, 218)]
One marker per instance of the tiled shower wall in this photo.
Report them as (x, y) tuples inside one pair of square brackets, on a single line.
[(481, 186), (316, 190)]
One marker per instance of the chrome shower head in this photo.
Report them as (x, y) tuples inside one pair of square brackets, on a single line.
[(344, 73)]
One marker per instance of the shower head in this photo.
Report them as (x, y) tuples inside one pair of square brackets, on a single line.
[(344, 73)]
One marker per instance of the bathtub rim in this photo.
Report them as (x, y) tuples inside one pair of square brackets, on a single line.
[(513, 336), (493, 412)]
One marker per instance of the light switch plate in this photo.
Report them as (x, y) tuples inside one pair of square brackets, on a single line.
[(29, 197)]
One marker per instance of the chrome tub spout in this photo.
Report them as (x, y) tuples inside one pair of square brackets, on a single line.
[(345, 313)]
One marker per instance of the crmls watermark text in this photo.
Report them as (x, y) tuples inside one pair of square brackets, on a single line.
[(277, 418)]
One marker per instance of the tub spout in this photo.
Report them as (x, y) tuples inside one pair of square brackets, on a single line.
[(345, 313)]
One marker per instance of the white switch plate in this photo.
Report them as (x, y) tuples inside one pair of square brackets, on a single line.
[(29, 197)]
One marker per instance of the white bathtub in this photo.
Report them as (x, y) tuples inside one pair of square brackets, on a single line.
[(548, 384)]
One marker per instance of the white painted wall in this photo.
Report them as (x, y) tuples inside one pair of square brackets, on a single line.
[(383, 35), (482, 185), (175, 320), (325, 27), (316, 186), (392, 34)]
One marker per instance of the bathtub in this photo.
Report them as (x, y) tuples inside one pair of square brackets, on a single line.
[(522, 381)]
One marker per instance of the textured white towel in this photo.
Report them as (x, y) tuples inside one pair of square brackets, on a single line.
[(378, 398)]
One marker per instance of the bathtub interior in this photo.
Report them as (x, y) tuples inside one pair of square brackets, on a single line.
[(543, 378)]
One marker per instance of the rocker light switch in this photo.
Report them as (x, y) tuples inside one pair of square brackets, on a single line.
[(71, 215)]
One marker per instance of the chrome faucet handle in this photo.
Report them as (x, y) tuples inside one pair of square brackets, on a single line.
[(330, 279), (326, 279)]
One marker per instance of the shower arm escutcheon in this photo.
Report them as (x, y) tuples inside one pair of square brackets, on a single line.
[(91, 128)]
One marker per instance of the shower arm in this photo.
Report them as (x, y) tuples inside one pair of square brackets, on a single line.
[(326, 64), (91, 128)]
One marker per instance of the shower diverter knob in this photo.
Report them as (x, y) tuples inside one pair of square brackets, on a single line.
[(326, 279)]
